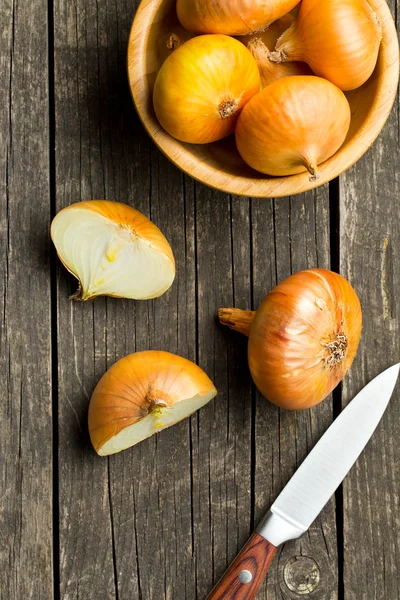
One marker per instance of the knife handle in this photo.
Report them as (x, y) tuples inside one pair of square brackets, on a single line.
[(244, 577)]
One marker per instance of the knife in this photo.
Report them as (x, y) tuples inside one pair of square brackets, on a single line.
[(310, 488)]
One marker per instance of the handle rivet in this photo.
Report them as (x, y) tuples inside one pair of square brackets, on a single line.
[(245, 576)]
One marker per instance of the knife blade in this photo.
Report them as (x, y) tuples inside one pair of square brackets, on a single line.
[(310, 488)]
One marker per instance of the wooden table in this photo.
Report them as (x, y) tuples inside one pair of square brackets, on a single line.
[(163, 520)]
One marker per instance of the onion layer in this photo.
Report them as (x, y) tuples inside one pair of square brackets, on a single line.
[(202, 87), (113, 250), (293, 125), (338, 39), (303, 337), (142, 394), (231, 17)]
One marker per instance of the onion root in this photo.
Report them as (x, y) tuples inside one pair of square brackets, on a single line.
[(337, 349), (227, 108)]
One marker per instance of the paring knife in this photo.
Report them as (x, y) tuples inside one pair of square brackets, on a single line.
[(309, 489)]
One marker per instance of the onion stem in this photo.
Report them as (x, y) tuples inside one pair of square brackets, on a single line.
[(313, 172), (236, 319)]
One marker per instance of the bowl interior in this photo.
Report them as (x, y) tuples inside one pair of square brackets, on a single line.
[(155, 32)]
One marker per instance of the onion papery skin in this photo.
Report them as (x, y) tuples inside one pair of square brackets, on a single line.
[(293, 125), (113, 250), (202, 87), (272, 33), (142, 394), (338, 39), (260, 45), (302, 339), (231, 17)]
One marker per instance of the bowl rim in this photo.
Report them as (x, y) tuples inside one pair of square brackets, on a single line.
[(268, 187)]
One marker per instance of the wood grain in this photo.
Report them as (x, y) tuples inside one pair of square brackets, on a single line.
[(219, 164), (369, 250), (253, 561), (163, 520), (221, 438), (289, 235), (95, 158), (126, 522), (26, 544)]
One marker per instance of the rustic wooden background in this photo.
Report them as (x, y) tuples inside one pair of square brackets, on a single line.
[(163, 520)]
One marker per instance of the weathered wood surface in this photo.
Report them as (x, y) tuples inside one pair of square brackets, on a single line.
[(290, 235), (370, 259), (25, 340), (164, 519)]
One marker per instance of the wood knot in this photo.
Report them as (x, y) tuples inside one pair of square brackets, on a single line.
[(301, 575)]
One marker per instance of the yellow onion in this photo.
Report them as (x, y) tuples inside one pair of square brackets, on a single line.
[(142, 394), (232, 17), (113, 250), (293, 125), (338, 39), (202, 87), (260, 45), (303, 337)]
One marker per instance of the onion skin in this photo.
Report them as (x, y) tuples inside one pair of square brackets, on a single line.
[(289, 355), (231, 17), (202, 87), (293, 125), (338, 39), (260, 45), (271, 34), (270, 71), (134, 386)]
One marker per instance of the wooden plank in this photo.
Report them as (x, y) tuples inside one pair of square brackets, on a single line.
[(289, 235), (94, 159), (221, 435), (125, 522), (151, 484), (25, 330), (369, 242)]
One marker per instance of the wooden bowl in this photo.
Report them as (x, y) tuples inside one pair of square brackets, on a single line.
[(219, 164)]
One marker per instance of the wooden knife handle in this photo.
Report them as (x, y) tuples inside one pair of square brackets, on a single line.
[(245, 575)]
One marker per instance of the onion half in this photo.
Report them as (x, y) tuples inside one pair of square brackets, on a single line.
[(142, 394), (113, 250)]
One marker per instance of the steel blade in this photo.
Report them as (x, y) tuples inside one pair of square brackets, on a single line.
[(326, 466)]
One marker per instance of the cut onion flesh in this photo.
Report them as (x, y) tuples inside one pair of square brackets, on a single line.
[(141, 394), (159, 419), (113, 250)]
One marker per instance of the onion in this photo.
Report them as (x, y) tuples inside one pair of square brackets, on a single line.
[(113, 250), (338, 39), (293, 125), (142, 394), (202, 87), (302, 339), (260, 45), (232, 17)]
